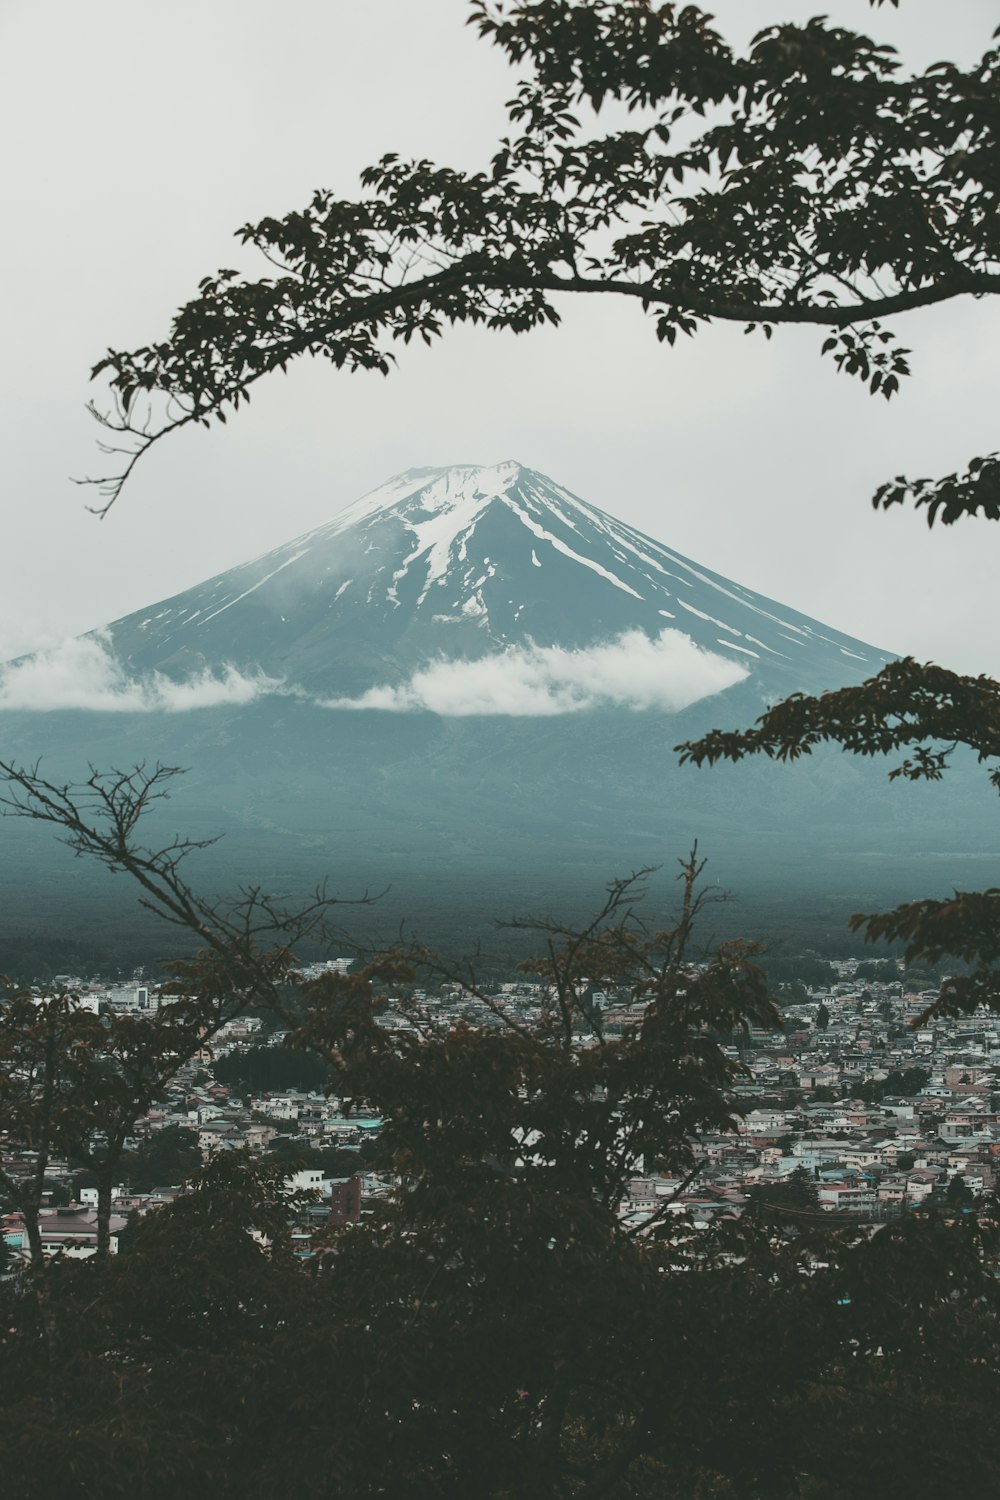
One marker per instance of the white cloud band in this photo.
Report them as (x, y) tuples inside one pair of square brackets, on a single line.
[(83, 674), (631, 671)]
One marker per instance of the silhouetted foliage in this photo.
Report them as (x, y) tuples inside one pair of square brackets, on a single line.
[(260, 1070), (807, 181), (793, 1195), (902, 1082), (497, 1329), (166, 1158), (36, 957), (958, 1192), (928, 711), (332, 1161), (882, 971), (806, 968)]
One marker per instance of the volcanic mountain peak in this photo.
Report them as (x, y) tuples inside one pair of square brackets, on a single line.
[(424, 515), (461, 491), (469, 675), (461, 562), (436, 513)]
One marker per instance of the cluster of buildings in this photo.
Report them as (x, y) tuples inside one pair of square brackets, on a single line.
[(877, 1113), (874, 1113), (870, 1113), (219, 1119)]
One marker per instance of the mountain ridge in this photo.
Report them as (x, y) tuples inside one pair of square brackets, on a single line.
[(468, 560), (466, 686)]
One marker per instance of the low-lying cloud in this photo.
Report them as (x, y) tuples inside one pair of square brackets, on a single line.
[(631, 671), (84, 674)]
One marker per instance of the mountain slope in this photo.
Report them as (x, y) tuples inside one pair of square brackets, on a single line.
[(467, 687), (464, 562)]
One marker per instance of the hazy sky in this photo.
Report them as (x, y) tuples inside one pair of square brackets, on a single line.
[(138, 137)]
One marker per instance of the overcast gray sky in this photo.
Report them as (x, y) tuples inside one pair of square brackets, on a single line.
[(139, 136)]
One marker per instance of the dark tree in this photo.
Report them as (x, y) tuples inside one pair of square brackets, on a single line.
[(658, 1360), (927, 712), (902, 1082), (793, 1198), (332, 1161), (165, 1159), (808, 181), (259, 1070), (878, 971), (75, 1084)]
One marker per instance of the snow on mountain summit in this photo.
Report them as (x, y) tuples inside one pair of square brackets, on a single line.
[(462, 563), (466, 685)]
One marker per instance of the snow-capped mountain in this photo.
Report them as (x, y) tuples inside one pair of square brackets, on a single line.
[(472, 562), (468, 686)]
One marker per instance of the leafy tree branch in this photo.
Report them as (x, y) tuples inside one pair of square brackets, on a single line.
[(805, 182)]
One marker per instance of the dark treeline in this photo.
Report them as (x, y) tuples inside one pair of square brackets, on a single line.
[(31, 956), (260, 1070), (902, 1082)]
